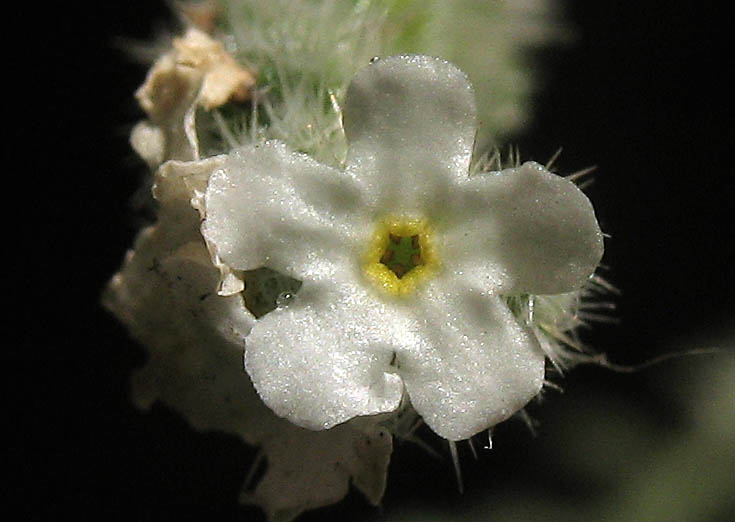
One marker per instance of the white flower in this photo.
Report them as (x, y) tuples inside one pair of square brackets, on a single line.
[(356, 336), (164, 293), (196, 72)]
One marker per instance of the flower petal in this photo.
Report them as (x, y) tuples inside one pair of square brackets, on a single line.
[(166, 298), (476, 367), (309, 469), (269, 206), (522, 230), (410, 124), (325, 357)]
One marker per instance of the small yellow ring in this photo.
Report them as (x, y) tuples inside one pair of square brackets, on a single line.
[(383, 277)]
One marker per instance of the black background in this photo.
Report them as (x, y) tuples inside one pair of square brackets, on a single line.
[(643, 95)]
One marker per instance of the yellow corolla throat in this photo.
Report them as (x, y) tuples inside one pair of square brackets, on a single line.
[(400, 255)]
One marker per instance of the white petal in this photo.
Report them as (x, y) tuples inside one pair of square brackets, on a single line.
[(194, 337), (476, 367), (325, 357), (309, 469), (522, 230), (194, 366), (149, 141), (185, 181), (410, 124), (269, 206)]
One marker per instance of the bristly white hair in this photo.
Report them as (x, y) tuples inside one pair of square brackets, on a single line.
[(306, 59)]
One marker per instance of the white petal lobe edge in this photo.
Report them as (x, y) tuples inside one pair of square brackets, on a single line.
[(476, 366)]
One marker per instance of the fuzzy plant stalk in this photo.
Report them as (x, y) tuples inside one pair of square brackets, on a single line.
[(339, 255)]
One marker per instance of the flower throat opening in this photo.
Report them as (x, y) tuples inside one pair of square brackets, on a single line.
[(400, 255)]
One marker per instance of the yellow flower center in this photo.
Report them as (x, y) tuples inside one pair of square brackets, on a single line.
[(400, 255)]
